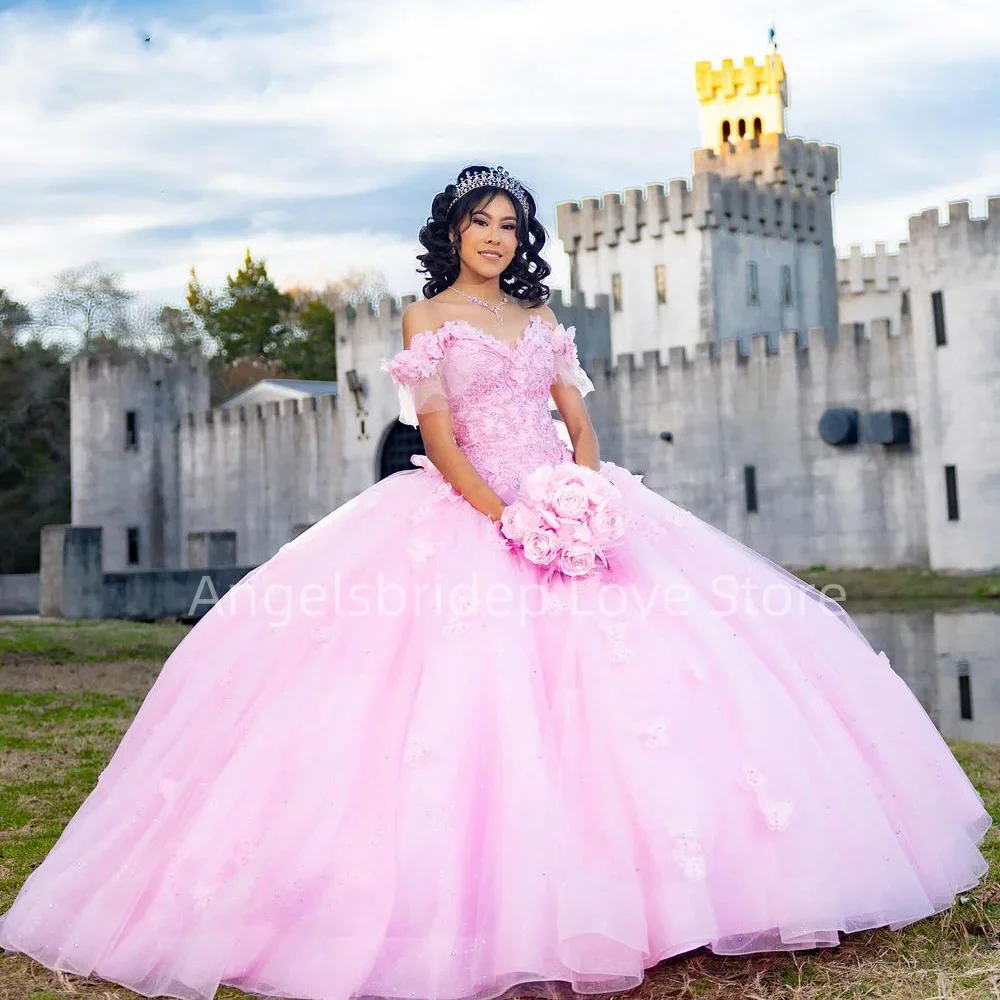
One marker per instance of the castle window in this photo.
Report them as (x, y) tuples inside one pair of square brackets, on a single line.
[(904, 304), (937, 306), (795, 215), (951, 491), (742, 128), (727, 130), (131, 430), (750, 487), (661, 284), (786, 285), (616, 291), (745, 203), (753, 286), (811, 216), (758, 128), (133, 546)]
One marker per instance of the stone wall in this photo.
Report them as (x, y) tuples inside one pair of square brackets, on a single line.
[(959, 381), (848, 505)]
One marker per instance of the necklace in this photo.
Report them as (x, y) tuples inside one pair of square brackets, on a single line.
[(495, 309)]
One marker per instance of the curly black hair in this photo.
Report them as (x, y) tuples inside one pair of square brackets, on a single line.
[(524, 276)]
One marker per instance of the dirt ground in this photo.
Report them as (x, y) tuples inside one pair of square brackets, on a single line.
[(131, 678)]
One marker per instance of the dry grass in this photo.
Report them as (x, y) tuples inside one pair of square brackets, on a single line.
[(60, 722)]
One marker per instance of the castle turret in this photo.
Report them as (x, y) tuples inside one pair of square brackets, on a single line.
[(123, 432), (741, 102), (745, 248), (954, 300)]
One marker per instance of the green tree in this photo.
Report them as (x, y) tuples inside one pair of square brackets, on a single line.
[(34, 438), (175, 334), (312, 351), (248, 319), (13, 316)]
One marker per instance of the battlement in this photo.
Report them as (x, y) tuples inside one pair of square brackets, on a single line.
[(146, 366), (881, 271), (774, 159), (710, 201), (927, 225), (223, 416), (794, 347), (751, 78)]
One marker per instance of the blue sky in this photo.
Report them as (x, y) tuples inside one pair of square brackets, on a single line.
[(316, 133)]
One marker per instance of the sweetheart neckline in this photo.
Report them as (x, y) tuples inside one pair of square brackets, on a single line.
[(511, 349)]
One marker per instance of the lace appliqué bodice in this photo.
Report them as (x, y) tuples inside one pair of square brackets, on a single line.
[(497, 393)]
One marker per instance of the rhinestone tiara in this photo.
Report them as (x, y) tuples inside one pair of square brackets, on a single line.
[(495, 177)]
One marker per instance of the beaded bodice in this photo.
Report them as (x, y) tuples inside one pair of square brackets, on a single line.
[(497, 394)]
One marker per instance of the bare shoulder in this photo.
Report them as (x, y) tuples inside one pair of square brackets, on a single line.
[(417, 317), (544, 313)]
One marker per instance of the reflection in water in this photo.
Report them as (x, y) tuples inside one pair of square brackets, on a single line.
[(951, 661)]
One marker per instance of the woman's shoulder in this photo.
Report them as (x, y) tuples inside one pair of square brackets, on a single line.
[(542, 311), (418, 317)]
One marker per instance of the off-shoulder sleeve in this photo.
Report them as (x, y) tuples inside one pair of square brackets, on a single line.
[(568, 369), (417, 373)]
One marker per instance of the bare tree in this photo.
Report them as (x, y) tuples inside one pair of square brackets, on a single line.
[(89, 308), (169, 331), (353, 288)]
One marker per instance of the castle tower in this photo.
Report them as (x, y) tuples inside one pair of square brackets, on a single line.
[(739, 103), (124, 453), (745, 248), (954, 301)]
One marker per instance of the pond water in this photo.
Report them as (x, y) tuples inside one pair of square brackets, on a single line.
[(949, 657)]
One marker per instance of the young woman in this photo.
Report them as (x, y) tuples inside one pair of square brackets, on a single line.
[(399, 760)]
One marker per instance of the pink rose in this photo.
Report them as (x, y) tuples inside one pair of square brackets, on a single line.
[(608, 524), (540, 546), (570, 500), (570, 472), (537, 484), (576, 559), (515, 520)]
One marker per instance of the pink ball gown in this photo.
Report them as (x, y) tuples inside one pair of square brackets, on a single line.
[(364, 774)]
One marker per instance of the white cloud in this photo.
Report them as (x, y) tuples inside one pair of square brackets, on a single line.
[(231, 129)]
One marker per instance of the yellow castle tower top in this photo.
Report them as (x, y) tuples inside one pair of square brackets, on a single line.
[(741, 102)]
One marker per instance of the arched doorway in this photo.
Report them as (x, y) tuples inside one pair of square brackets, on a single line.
[(400, 442)]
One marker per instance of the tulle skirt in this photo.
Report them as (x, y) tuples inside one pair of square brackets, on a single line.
[(391, 763)]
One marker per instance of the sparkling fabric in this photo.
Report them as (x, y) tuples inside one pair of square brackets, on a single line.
[(498, 393), (358, 777)]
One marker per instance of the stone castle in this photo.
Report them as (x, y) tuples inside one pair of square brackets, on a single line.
[(824, 410)]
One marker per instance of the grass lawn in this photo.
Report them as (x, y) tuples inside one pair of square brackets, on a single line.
[(69, 690), (909, 589)]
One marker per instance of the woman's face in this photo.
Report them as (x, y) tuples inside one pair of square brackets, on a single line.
[(489, 241)]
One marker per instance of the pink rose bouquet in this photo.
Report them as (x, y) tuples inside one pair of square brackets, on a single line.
[(565, 517)]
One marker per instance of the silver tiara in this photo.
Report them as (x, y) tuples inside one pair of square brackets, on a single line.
[(495, 177)]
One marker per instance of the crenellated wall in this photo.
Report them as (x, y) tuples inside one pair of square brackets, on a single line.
[(874, 288), (848, 505), (262, 470), (775, 159), (710, 200), (741, 100), (959, 380), (705, 235)]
